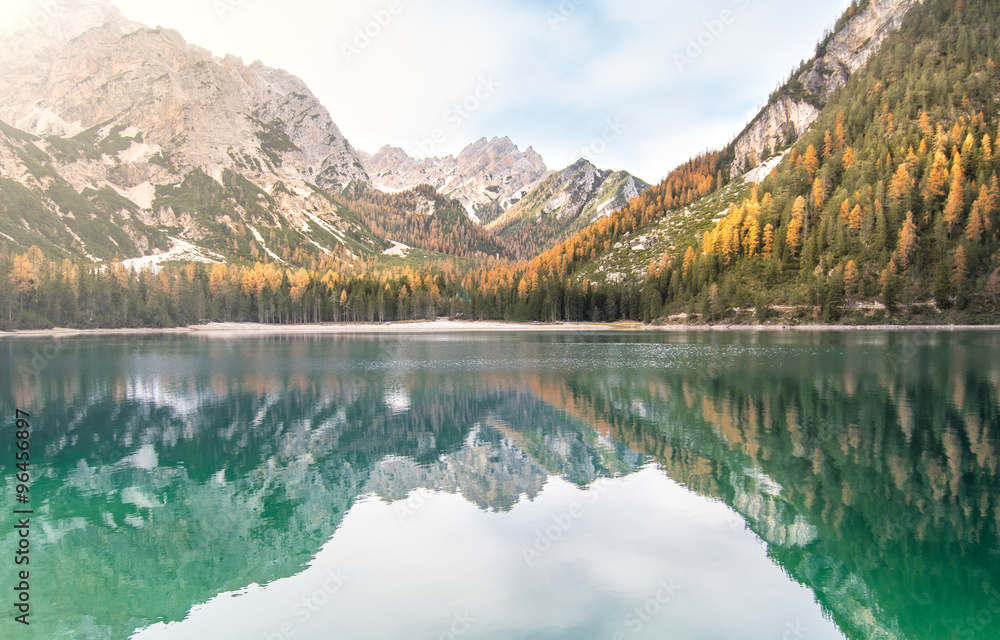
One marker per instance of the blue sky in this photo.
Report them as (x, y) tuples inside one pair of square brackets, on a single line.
[(632, 84)]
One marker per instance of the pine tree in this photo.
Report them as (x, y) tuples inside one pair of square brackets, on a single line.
[(993, 288)]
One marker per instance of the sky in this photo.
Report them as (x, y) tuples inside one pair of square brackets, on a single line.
[(641, 85)]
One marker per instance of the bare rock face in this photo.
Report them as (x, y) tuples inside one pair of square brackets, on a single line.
[(125, 141), (91, 68), (487, 177), (581, 193), (283, 97), (565, 202), (780, 124), (846, 51)]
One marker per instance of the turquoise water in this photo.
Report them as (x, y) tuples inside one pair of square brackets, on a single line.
[(703, 485)]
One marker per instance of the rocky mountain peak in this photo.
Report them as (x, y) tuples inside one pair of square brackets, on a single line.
[(792, 109), (202, 112), (487, 177), (57, 22), (565, 202), (129, 141)]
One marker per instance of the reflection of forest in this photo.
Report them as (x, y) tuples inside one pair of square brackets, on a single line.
[(892, 462), (207, 467)]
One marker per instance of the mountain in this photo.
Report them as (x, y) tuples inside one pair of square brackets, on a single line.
[(510, 192), (796, 105), (563, 203), (120, 141), (199, 111), (887, 207), (487, 177), (884, 207)]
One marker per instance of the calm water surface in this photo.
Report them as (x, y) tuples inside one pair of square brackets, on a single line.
[(685, 486)]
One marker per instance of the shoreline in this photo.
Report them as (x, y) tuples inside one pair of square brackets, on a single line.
[(241, 330)]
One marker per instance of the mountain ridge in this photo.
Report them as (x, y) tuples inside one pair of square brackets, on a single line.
[(565, 202), (114, 105), (487, 175), (796, 105)]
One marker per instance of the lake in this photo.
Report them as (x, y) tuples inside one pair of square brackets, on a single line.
[(754, 486)]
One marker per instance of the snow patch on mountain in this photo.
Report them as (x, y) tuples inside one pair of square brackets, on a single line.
[(181, 251)]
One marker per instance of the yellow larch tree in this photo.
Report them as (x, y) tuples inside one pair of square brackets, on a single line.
[(907, 241), (689, 260), (299, 282), (811, 161), (855, 218), (793, 238), (901, 185), (848, 158), (818, 194), (751, 237), (768, 250), (839, 134), (851, 278), (937, 178)]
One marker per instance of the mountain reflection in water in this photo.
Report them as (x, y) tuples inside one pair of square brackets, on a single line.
[(169, 471)]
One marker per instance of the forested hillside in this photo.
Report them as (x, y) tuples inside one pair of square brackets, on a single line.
[(887, 208), (889, 199), (891, 196)]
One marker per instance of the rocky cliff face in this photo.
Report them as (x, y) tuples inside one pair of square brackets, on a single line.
[(565, 202), (779, 125), (798, 103), (203, 112), (118, 126), (579, 189), (487, 177)]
